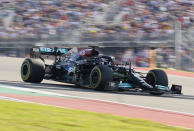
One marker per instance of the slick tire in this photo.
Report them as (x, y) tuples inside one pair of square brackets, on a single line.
[(100, 77), (157, 77), (32, 70)]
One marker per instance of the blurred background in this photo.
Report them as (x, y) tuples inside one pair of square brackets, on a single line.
[(151, 33)]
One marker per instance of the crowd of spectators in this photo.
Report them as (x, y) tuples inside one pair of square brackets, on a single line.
[(139, 57), (146, 19), (52, 19), (166, 58), (44, 19)]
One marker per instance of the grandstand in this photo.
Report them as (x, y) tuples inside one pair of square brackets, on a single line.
[(96, 20)]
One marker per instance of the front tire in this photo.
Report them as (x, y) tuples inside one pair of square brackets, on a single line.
[(32, 70), (157, 77), (100, 77)]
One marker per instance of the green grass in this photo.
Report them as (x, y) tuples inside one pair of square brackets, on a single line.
[(16, 116)]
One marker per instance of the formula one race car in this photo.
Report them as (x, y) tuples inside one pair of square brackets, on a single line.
[(87, 68)]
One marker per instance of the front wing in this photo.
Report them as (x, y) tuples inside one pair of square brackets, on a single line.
[(175, 89)]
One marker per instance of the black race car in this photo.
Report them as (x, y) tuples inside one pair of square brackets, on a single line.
[(87, 68)]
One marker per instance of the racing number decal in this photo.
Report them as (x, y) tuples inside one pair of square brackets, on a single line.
[(71, 69)]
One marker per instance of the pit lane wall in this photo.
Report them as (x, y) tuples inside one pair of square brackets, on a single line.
[(153, 55)]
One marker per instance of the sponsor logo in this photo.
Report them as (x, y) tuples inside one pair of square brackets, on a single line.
[(127, 85), (50, 50)]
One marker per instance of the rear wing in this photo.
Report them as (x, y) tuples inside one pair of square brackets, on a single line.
[(37, 52)]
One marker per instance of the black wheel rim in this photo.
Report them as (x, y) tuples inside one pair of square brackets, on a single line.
[(150, 80), (95, 77), (24, 69)]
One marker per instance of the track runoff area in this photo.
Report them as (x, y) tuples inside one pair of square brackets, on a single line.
[(176, 110)]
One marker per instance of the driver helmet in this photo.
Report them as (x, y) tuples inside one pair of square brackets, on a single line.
[(88, 52)]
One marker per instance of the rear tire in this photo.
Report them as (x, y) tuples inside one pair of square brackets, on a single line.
[(100, 77), (32, 70), (157, 77)]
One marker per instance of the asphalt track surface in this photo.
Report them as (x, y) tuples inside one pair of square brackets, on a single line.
[(10, 75)]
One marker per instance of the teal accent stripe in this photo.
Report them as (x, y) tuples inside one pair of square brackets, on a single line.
[(125, 85), (13, 91)]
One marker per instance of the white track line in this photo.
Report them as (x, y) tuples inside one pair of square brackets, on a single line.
[(58, 94), (11, 99)]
